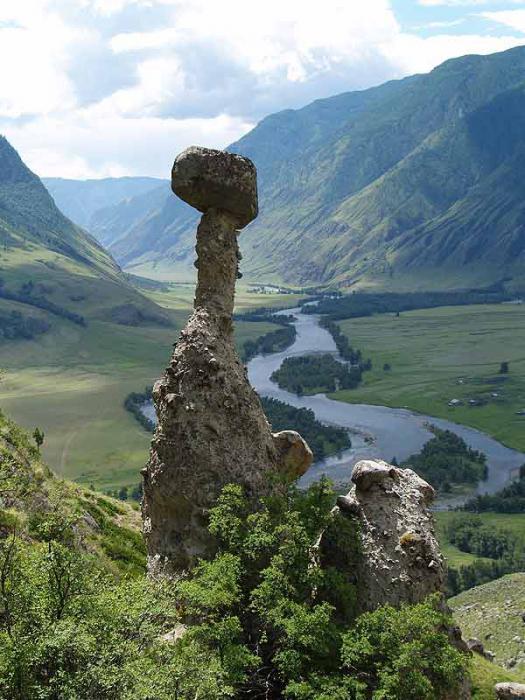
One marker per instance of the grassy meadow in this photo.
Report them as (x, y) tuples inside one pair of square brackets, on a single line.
[(71, 382), (437, 355), (512, 522)]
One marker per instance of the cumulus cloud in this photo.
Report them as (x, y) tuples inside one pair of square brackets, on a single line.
[(113, 87), (433, 50), (515, 19), (101, 143)]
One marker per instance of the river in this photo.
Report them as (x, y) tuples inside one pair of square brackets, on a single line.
[(376, 431)]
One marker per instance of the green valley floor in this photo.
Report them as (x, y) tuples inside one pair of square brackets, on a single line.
[(445, 354), (71, 382)]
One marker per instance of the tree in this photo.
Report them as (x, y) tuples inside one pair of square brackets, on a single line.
[(504, 368), (123, 493), (137, 492), (266, 618), (39, 437)]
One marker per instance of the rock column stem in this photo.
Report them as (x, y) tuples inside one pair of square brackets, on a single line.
[(217, 259)]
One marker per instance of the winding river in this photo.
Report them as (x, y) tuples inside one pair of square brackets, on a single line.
[(376, 431)]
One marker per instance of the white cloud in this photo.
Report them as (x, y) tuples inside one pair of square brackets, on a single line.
[(96, 143), (415, 54), (107, 87), (288, 37), (510, 18), (34, 48)]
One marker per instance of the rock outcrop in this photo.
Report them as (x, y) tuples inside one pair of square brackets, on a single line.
[(396, 558), (382, 540), (211, 427), (510, 691)]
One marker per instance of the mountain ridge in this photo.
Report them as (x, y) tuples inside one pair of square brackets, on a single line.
[(49, 263), (80, 200), (405, 185)]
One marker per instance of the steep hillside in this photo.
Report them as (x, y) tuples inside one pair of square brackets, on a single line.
[(29, 218), (493, 613), (34, 503), (81, 199), (49, 263), (383, 187), (113, 222)]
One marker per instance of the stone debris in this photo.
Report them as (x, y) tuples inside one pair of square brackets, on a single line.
[(476, 646), (211, 426)]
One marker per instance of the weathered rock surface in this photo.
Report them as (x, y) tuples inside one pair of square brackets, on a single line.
[(382, 539), (211, 427), (510, 691), (206, 178), (397, 559)]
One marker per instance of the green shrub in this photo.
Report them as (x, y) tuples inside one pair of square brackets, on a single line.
[(264, 618)]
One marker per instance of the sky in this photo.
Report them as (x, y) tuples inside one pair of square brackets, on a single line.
[(106, 88)]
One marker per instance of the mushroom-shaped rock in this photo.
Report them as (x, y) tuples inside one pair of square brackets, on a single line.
[(510, 691), (295, 457), (397, 558), (209, 179), (211, 429)]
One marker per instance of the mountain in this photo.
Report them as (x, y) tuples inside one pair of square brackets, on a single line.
[(415, 183), (50, 268), (116, 221), (80, 200)]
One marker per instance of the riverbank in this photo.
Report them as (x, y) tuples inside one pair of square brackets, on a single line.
[(378, 431), (447, 354)]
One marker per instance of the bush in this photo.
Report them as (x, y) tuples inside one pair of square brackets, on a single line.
[(15, 326), (265, 622)]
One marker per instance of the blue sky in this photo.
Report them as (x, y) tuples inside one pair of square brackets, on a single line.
[(481, 17), (94, 88)]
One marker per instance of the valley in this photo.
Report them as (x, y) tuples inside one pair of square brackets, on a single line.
[(411, 185), (72, 381), (440, 355), (262, 405)]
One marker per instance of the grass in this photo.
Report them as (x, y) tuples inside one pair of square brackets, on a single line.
[(180, 296), (441, 354), (514, 523), (485, 675), (493, 613), (72, 382)]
